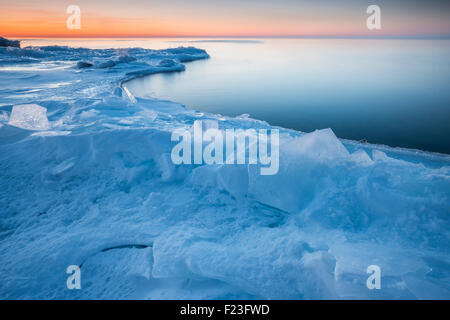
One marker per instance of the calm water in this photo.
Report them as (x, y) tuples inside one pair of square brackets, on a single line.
[(394, 92)]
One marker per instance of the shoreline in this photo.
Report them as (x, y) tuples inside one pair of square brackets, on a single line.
[(180, 67)]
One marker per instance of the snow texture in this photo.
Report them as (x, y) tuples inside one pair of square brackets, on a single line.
[(95, 187)]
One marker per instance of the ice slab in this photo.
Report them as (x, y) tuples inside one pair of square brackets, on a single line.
[(30, 117)]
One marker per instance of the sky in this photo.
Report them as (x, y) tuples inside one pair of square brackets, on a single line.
[(224, 18)]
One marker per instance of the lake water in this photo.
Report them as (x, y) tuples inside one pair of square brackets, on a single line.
[(393, 92)]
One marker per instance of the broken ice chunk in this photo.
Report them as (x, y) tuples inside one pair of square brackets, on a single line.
[(319, 144), (30, 117)]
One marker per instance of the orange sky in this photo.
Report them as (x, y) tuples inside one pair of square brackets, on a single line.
[(138, 18)]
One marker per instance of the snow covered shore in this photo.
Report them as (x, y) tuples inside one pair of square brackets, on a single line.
[(94, 186)]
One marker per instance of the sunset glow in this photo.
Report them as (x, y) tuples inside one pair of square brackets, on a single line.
[(200, 18)]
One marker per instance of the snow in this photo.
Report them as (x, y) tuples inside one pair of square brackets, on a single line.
[(98, 189)]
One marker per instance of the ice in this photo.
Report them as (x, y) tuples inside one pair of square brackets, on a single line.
[(30, 117), (98, 189), (84, 64)]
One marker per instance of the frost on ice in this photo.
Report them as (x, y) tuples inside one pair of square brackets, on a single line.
[(99, 191)]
